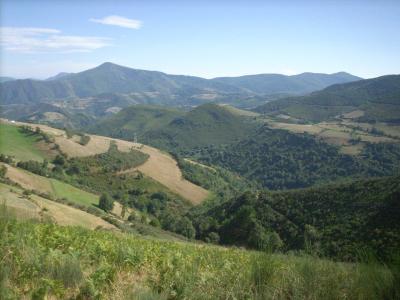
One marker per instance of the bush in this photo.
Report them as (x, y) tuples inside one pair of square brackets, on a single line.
[(106, 203)]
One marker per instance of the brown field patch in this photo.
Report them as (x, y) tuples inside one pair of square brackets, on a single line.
[(37, 207), (28, 180), (69, 216), (160, 166)]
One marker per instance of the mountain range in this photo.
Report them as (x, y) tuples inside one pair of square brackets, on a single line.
[(109, 87)]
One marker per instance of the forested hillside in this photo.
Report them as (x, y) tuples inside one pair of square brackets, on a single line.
[(137, 119), (339, 220), (206, 125), (283, 160)]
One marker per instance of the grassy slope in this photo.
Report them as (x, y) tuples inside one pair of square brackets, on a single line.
[(20, 145), (51, 186), (63, 190), (128, 267), (36, 207)]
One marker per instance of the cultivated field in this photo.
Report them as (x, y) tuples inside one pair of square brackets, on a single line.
[(36, 207), (342, 133), (160, 166), (21, 146)]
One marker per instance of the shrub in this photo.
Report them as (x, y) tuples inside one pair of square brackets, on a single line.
[(106, 203)]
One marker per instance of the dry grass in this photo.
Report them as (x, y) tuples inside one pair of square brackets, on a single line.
[(341, 133), (69, 216), (160, 166), (21, 207), (353, 114), (28, 180), (36, 207)]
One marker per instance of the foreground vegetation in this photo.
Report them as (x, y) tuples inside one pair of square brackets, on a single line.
[(42, 260)]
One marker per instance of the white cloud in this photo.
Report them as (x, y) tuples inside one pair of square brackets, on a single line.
[(45, 40), (118, 21)]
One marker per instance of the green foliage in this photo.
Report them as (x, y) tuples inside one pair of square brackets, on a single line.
[(336, 220), (33, 166), (206, 125), (84, 140), (136, 119), (70, 262), (106, 203), (282, 160), (3, 171), (111, 161), (223, 183)]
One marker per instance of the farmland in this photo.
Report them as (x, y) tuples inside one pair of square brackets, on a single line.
[(20, 145)]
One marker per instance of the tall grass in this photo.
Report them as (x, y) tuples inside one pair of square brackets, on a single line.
[(41, 260)]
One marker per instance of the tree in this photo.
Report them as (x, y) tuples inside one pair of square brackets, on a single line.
[(3, 171), (106, 203), (213, 237), (59, 160), (185, 227)]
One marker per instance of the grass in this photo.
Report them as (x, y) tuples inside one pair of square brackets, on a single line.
[(64, 190), (20, 145), (36, 207), (51, 186), (45, 260)]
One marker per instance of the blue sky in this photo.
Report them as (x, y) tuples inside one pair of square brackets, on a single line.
[(204, 38)]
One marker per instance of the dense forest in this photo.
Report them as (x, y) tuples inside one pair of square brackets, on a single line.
[(279, 159), (337, 220)]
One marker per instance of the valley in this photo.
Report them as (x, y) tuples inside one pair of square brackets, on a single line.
[(146, 201)]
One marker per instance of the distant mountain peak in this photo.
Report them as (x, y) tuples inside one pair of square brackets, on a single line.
[(59, 75)]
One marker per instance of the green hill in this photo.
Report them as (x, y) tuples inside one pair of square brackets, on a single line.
[(377, 98), (135, 119), (334, 220), (206, 125)]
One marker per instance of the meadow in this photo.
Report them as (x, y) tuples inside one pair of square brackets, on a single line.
[(22, 146), (74, 263)]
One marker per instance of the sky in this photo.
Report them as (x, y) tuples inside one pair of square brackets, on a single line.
[(40, 38)]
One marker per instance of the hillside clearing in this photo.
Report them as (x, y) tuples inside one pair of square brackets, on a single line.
[(160, 166), (36, 207), (341, 133), (22, 146), (50, 186)]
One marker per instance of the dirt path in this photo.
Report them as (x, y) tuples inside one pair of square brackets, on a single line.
[(160, 166)]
